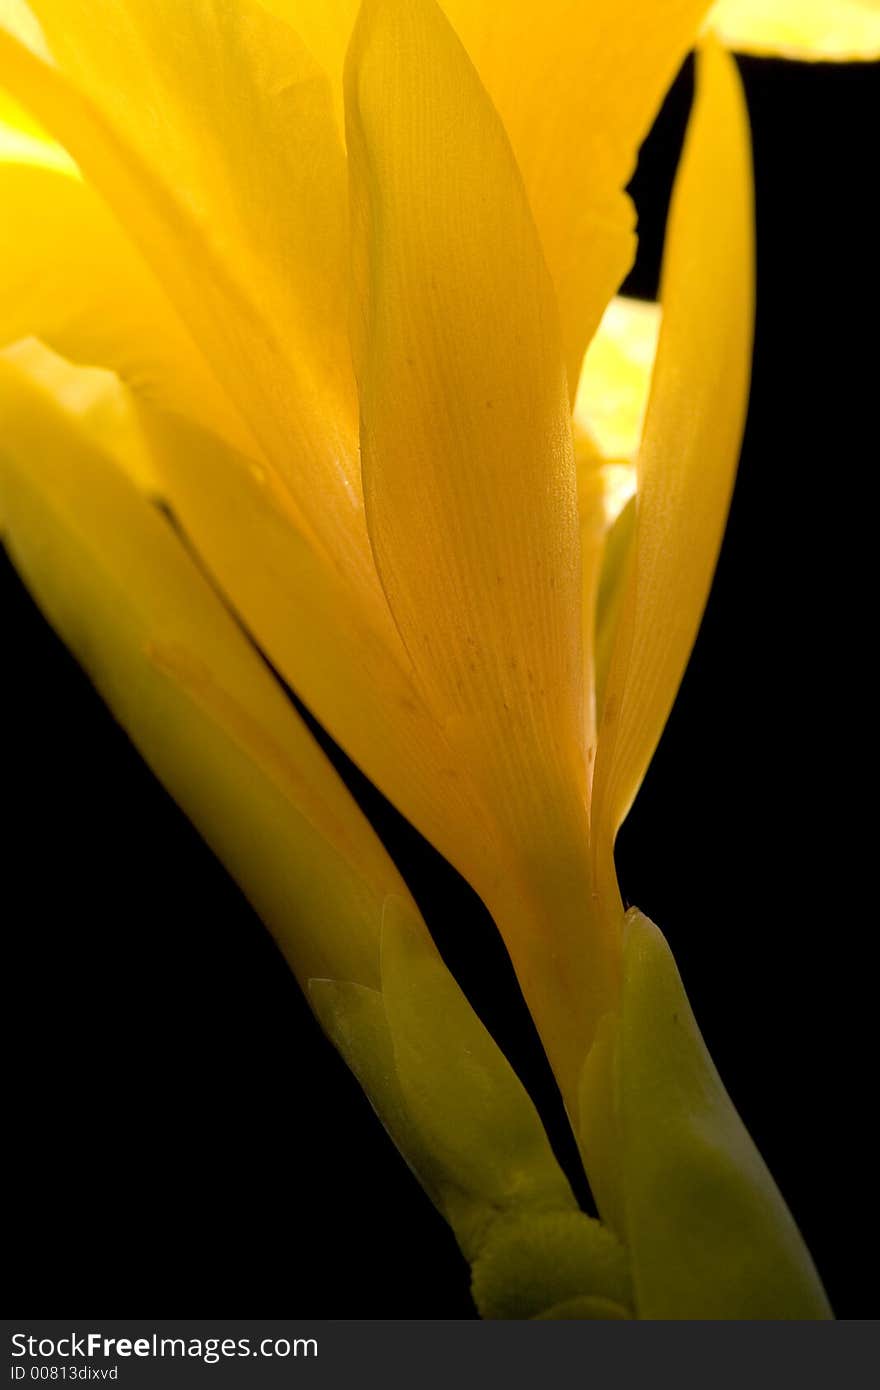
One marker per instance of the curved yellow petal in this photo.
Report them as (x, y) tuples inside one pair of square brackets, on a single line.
[(69, 276), (842, 30), (577, 86), (209, 130), (23, 140), (113, 578), (469, 482), (313, 629), (691, 439), (611, 587)]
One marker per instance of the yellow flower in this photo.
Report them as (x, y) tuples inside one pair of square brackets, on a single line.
[(327, 274), (401, 536)]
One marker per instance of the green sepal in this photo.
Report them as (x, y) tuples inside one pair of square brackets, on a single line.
[(708, 1233), (534, 1265), (465, 1124)]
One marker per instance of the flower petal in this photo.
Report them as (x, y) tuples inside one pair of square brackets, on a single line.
[(353, 675), (469, 481), (692, 436), (113, 578), (210, 131), (69, 276), (842, 30)]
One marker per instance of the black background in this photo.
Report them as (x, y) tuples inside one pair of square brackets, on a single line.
[(181, 1139)]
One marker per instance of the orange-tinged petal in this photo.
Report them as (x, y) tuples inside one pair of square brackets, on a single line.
[(210, 131), (842, 30), (469, 481), (692, 436), (312, 628)]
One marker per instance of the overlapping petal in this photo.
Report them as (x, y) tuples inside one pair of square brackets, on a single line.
[(115, 581), (209, 130), (691, 442), (311, 627), (69, 275), (609, 410), (339, 649)]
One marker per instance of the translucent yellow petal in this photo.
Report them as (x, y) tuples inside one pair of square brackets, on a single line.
[(210, 131), (611, 586), (22, 139), (691, 438), (843, 30), (577, 86), (114, 580), (70, 276), (313, 629), (612, 393), (469, 482), (609, 412)]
